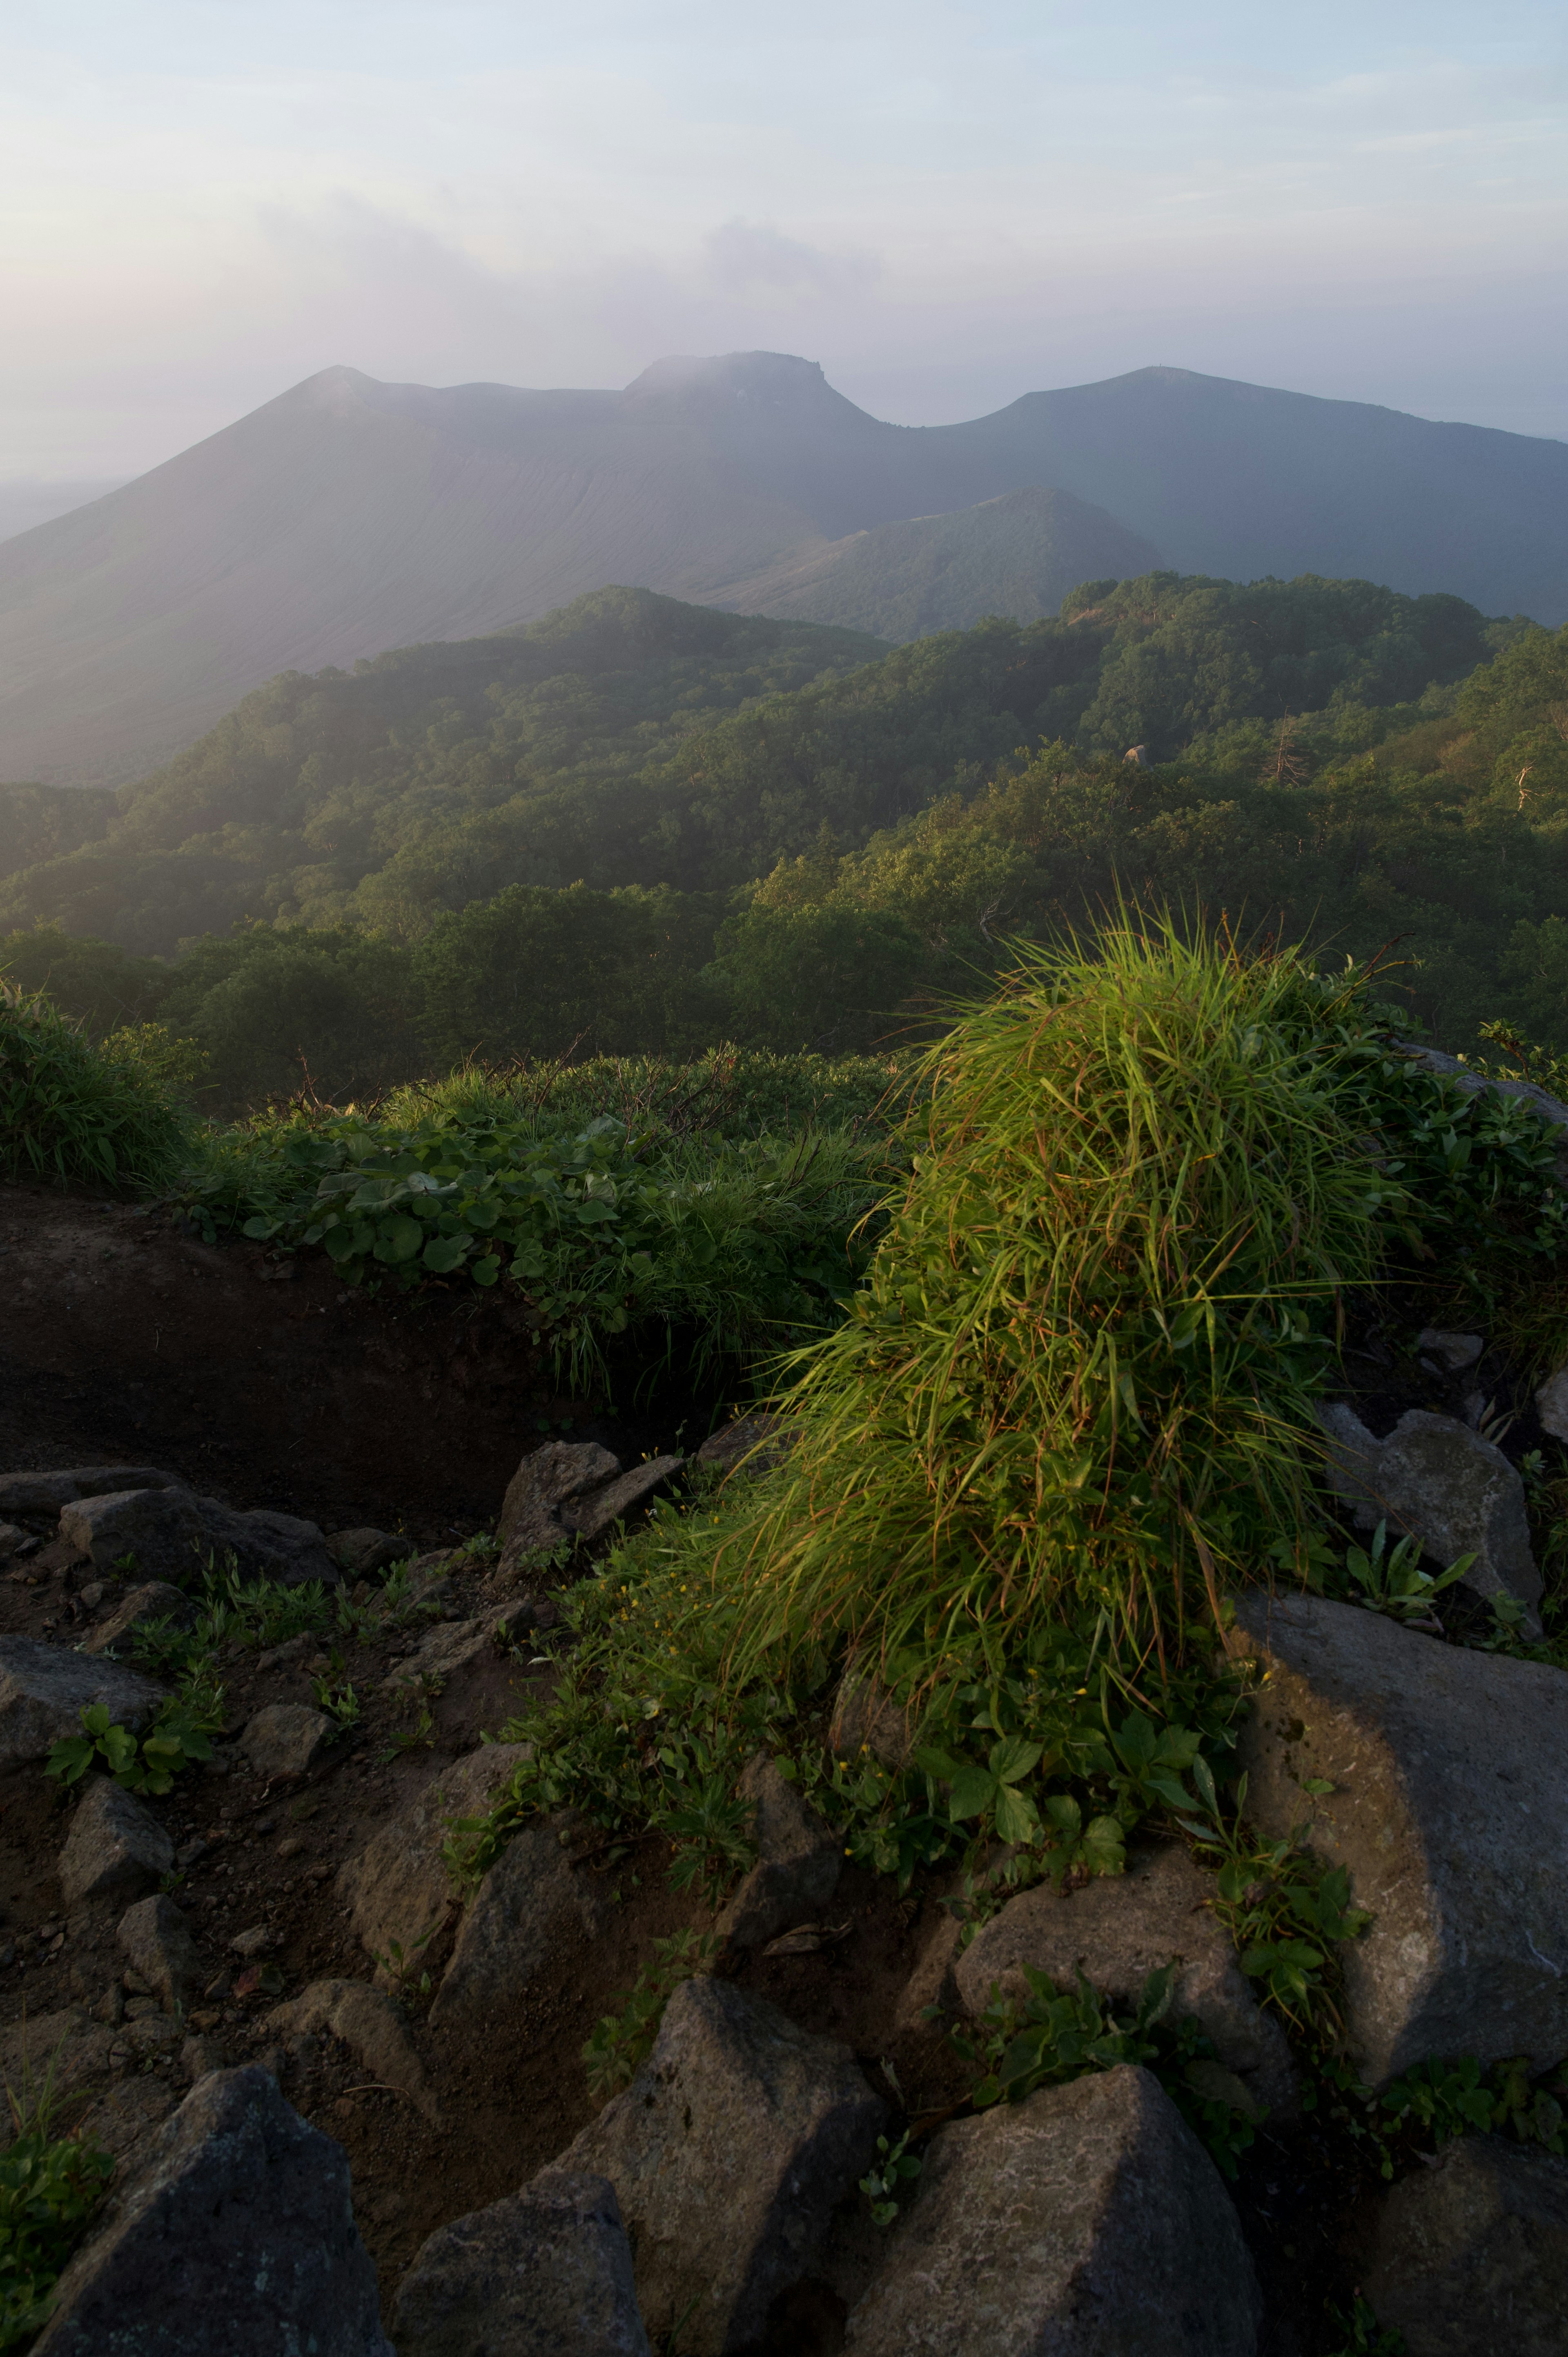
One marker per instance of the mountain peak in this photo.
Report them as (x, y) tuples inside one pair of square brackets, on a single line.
[(772, 379)]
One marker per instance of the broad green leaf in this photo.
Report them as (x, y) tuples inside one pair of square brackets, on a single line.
[(1104, 1847), (1013, 1758), (444, 1253), (399, 1239), (972, 1790), (1017, 1819)]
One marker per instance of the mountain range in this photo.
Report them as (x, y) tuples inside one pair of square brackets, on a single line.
[(347, 516)]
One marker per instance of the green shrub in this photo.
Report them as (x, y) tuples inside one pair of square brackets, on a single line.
[(76, 1113), (50, 2189)]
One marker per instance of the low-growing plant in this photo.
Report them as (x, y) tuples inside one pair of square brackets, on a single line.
[(51, 2191), (895, 2168), (1050, 2036), (76, 1113), (623, 2038), (179, 1736), (1391, 1580), (1361, 2335), (335, 1696)]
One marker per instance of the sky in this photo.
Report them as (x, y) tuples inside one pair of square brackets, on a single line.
[(946, 206)]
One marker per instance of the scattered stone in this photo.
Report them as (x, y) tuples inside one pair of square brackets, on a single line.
[(238, 2234), (1438, 1479), (12, 1536), (155, 1938), (115, 1846), (728, 2153), (798, 1865), (546, 2274), (200, 2057), (1084, 2221), (592, 1515), (1448, 1805), (542, 1483), (1552, 1405), (292, 1649), (866, 1718), (1456, 1352), (287, 1738), (398, 1890), (1116, 1931), (44, 1689), (442, 1651), (155, 1600), (255, 1941), (368, 2023), (1472, 2253), (71, 2048), (531, 1900), (363, 1552), (761, 1443), (48, 1494)]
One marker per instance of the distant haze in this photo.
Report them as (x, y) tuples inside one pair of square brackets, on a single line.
[(350, 516), (24, 504)]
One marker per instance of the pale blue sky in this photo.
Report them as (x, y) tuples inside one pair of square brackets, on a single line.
[(946, 206)]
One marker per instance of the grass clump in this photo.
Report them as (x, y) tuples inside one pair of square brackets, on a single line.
[(51, 2189), (77, 1113)]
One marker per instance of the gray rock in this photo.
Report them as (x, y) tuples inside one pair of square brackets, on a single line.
[(283, 1548), (115, 1846), (159, 1533), (546, 2274), (68, 2050), (759, 1442), (398, 1890), (531, 1900), (287, 1738), (1449, 1807), (1085, 2222), (362, 1552), (200, 2057), (866, 1718), (728, 2153), (1552, 1405), (442, 1651), (237, 2234), (1473, 2252), (1454, 1351), (371, 2025), (798, 1866), (591, 1515), (156, 1941), (46, 1493), (45, 1688), (12, 1536), (155, 1600), (542, 1483), (933, 1981), (1442, 1481), (1119, 1929)]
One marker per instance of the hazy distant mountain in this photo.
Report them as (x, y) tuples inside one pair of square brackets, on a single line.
[(1016, 555), (347, 516), (24, 504)]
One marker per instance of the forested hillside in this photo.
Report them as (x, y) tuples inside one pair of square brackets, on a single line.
[(588, 860)]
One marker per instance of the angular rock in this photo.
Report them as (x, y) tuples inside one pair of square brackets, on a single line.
[(156, 1941), (546, 2274), (797, 1867), (159, 1533), (1454, 1351), (46, 1493), (68, 2050), (370, 2026), (728, 2153), (237, 2234), (362, 1552), (12, 1536), (532, 1900), (759, 1442), (115, 1846), (1085, 2222), (933, 1981), (1552, 1405), (866, 1718), (442, 1652), (283, 1548), (1472, 2254), (464, 1678), (542, 1483), (1448, 1805), (287, 1738), (1442, 1481), (590, 1516), (44, 1689), (155, 1600), (1119, 1929), (397, 1888)]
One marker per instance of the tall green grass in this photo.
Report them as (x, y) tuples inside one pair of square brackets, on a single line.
[(1081, 1376), (73, 1112)]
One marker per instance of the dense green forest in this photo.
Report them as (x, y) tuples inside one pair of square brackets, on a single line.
[(642, 827)]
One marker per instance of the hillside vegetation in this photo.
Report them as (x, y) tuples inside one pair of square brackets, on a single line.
[(648, 840)]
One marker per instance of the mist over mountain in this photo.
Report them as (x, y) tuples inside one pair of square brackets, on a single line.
[(347, 516)]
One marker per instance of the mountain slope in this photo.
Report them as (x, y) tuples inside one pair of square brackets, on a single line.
[(1017, 555), (348, 515)]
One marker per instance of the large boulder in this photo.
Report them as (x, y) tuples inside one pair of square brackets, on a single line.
[(596, 1513), (47, 1493), (533, 1898), (728, 2153), (155, 1600), (45, 1688), (174, 1535), (1455, 1491), (759, 1442), (364, 1550), (546, 2274), (236, 2233), (1447, 1802), (1119, 1929), (1472, 2253), (115, 1846), (370, 2025), (396, 1891), (797, 1867), (531, 1516), (1086, 2222)]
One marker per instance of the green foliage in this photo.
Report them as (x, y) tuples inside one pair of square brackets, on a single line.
[(1439, 2099), (1050, 2037), (51, 2191), (895, 2168), (1363, 2337), (623, 2038), (1391, 1580), (179, 1738), (80, 1114)]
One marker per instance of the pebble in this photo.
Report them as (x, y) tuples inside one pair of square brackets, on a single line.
[(292, 1846)]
